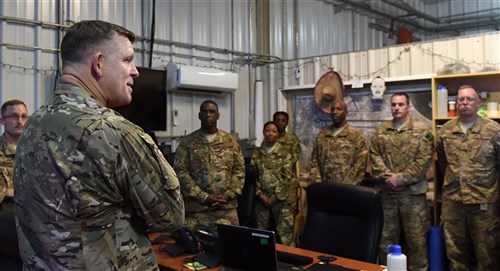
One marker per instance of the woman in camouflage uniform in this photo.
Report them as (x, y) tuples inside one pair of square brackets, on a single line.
[(276, 185)]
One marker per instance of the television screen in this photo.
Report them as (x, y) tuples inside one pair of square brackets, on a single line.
[(148, 108)]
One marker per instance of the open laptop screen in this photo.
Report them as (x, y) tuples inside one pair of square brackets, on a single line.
[(247, 249)]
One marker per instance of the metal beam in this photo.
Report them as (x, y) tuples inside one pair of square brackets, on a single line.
[(412, 11)]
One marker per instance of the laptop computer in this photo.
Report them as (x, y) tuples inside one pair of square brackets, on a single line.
[(248, 249)]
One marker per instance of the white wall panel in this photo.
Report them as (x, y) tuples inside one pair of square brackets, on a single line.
[(300, 79), (317, 71), (471, 50), (492, 50), (400, 61), (344, 66), (443, 52), (377, 62), (358, 64), (421, 63)]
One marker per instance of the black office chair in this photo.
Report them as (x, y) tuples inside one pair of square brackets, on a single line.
[(10, 258), (246, 200), (343, 220)]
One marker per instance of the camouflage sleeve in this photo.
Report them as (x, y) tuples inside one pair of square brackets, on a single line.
[(441, 155), (315, 174), (238, 174), (358, 170), (2, 193), (151, 185), (297, 150), (496, 141), (289, 177), (377, 164), (3, 187), (417, 170), (290, 173), (189, 187), (5, 176), (254, 163)]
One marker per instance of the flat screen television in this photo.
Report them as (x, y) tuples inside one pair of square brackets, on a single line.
[(148, 108)]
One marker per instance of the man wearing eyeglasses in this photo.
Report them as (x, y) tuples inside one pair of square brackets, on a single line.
[(468, 152), (14, 115)]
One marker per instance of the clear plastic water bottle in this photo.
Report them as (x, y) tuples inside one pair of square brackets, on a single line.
[(442, 102), (396, 261)]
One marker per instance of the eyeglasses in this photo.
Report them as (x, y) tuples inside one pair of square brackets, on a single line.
[(15, 117)]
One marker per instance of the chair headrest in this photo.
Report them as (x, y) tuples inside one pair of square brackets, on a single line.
[(354, 200)]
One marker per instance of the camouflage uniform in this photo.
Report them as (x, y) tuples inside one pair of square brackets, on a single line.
[(89, 184), (204, 168), (7, 152), (407, 152), (339, 158), (291, 142), (276, 179), (470, 211)]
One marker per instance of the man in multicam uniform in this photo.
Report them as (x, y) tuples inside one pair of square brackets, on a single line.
[(286, 139), (211, 171), (340, 152), (90, 184), (276, 185), (400, 155), (14, 116), (469, 157)]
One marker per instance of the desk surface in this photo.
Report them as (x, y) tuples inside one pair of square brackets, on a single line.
[(167, 262)]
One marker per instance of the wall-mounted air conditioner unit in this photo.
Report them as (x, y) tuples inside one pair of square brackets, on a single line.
[(191, 79)]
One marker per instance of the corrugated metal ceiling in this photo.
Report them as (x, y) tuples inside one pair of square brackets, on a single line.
[(427, 18)]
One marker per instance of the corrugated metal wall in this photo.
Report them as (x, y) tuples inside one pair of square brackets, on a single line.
[(187, 32), (227, 35), (312, 28)]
